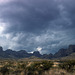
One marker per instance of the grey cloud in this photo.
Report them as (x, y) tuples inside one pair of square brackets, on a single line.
[(30, 24)]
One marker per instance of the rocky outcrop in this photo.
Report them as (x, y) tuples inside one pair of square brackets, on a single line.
[(1, 49), (37, 54), (70, 50)]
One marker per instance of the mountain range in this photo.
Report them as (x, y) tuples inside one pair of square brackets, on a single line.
[(23, 54)]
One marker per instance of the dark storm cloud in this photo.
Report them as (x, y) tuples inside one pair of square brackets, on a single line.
[(29, 24), (29, 15), (69, 6)]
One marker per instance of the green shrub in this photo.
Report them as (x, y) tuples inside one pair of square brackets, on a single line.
[(39, 67), (4, 70), (68, 65), (47, 65), (21, 66)]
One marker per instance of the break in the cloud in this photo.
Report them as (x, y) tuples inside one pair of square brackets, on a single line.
[(44, 25)]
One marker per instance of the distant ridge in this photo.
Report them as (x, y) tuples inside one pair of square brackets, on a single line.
[(69, 57), (23, 54)]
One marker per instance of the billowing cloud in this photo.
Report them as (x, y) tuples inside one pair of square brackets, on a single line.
[(46, 25)]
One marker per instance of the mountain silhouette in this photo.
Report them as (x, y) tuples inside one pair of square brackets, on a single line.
[(23, 54)]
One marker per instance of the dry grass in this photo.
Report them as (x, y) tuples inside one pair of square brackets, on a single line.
[(18, 68)]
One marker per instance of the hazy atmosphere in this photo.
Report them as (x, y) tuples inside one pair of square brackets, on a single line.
[(43, 25)]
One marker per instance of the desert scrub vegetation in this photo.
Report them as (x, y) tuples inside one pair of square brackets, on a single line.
[(37, 68), (44, 67), (69, 65), (24, 68)]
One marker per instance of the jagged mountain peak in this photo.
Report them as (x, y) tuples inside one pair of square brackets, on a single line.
[(23, 54), (1, 49)]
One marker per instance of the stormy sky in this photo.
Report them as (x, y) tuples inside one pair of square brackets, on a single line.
[(43, 25)]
